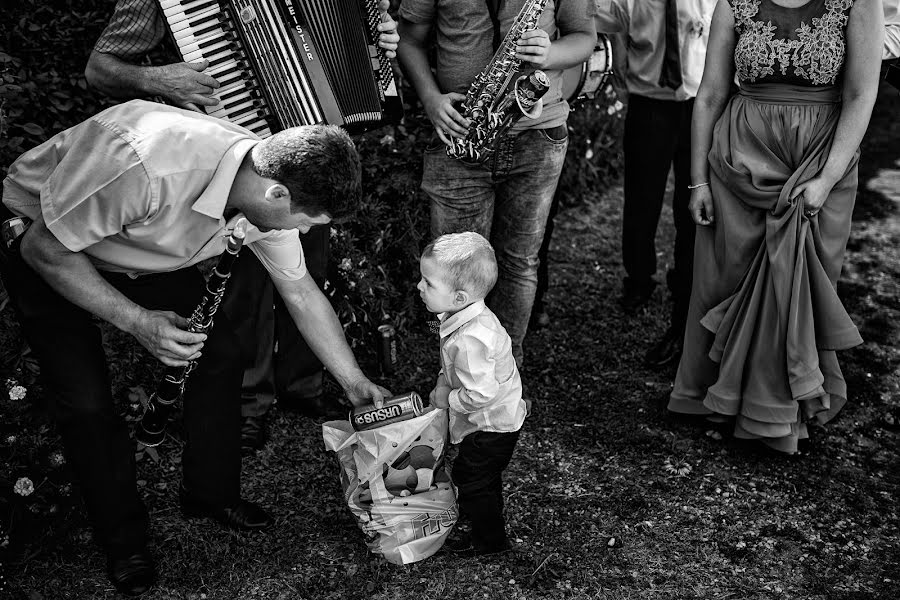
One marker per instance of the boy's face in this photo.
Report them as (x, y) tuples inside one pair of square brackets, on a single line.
[(437, 295)]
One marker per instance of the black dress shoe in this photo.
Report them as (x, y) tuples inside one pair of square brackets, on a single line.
[(464, 548), (243, 516), (635, 297), (253, 434), (131, 575), (539, 320), (666, 351)]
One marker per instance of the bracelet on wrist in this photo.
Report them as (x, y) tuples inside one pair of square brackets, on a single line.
[(699, 185)]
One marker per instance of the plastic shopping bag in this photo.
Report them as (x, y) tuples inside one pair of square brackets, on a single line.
[(396, 485)]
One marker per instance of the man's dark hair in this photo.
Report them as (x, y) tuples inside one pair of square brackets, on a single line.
[(318, 164)]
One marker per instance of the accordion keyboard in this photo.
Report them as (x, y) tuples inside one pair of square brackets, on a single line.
[(283, 63), (201, 31)]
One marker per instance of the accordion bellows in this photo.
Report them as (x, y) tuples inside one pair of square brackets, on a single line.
[(283, 63)]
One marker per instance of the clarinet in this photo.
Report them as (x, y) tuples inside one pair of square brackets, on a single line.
[(152, 427)]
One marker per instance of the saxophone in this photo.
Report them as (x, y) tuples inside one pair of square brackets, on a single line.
[(152, 428), (492, 105)]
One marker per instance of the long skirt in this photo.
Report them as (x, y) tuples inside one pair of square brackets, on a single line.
[(765, 319)]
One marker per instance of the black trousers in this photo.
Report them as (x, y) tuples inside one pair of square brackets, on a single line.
[(478, 475), (657, 136), (293, 373), (67, 342)]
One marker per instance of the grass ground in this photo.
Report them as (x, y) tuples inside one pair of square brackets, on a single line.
[(594, 461)]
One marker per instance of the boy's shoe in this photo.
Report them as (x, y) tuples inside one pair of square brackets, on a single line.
[(463, 547)]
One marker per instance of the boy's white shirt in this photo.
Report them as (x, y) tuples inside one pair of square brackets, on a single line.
[(477, 361)]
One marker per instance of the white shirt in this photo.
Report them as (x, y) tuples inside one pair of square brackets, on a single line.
[(891, 29), (141, 188), (643, 24), (477, 361)]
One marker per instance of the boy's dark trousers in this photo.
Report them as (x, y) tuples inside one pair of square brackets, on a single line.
[(478, 474)]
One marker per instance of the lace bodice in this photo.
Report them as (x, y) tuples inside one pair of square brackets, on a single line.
[(801, 46)]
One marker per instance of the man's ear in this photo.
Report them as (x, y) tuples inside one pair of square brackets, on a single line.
[(461, 297), (277, 193)]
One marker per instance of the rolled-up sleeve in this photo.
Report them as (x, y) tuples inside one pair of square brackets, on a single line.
[(474, 367), (418, 11), (81, 206), (135, 28), (612, 16), (576, 15), (281, 254)]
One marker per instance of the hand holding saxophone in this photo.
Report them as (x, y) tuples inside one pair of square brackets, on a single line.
[(165, 334), (446, 119), (533, 47)]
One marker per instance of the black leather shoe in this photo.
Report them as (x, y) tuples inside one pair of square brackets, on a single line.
[(666, 351), (253, 434), (635, 297), (539, 320), (243, 516), (132, 575), (463, 547)]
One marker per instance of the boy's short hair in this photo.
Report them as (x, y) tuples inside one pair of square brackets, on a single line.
[(318, 164), (468, 259)]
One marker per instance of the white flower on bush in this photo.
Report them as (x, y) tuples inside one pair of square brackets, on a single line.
[(24, 487), (11, 439), (17, 392), (387, 140), (346, 265), (57, 459)]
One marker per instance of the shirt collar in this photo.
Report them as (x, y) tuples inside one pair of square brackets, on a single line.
[(213, 199), (451, 323)]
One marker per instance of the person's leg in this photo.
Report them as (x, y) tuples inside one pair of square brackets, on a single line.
[(478, 475), (685, 228), (539, 316), (667, 349), (527, 171), (298, 371), (461, 196), (68, 346), (649, 144)]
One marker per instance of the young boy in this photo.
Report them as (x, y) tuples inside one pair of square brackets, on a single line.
[(478, 382)]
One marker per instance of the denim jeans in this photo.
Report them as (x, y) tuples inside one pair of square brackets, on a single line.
[(507, 200)]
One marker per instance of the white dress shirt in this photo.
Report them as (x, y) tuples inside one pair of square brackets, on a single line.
[(477, 361), (891, 29), (643, 25)]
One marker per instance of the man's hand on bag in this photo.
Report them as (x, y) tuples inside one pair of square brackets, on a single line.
[(165, 335), (362, 392), (446, 119)]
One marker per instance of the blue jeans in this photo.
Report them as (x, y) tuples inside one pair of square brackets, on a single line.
[(507, 200)]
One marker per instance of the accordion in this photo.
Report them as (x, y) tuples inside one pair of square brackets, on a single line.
[(283, 63)]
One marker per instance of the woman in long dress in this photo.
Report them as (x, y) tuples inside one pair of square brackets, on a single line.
[(774, 177)]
